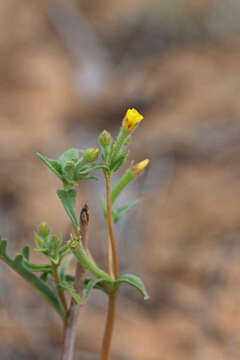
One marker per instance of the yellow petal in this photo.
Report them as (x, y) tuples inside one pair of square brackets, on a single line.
[(131, 119), (137, 169)]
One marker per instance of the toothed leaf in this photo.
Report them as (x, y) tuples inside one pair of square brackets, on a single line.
[(17, 264)]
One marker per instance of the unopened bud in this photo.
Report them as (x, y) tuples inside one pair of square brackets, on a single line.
[(105, 138), (91, 154), (44, 229), (137, 169)]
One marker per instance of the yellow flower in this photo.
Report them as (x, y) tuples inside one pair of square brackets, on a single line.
[(137, 169), (131, 120)]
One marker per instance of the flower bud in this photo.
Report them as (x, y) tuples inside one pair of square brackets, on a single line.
[(137, 169), (131, 120), (44, 229), (105, 138), (91, 154)]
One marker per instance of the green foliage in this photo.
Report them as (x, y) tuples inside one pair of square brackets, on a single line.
[(50, 245), (71, 169), (118, 213), (118, 162), (89, 285), (70, 155), (68, 199), (135, 282), (82, 257), (70, 289), (21, 265)]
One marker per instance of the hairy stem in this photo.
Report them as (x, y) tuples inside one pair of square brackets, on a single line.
[(112, 305), (110, 227), (59, 290), (70, 328)]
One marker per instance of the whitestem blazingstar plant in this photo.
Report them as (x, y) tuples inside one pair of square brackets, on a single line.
[(70, 292)]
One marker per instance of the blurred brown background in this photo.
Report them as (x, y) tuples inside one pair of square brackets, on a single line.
[(68, 69)]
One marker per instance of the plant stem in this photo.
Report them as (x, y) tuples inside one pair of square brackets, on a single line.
[(110, 227), (112, 305), (59, 290), (110, 267), (70, 326), (112, 258)]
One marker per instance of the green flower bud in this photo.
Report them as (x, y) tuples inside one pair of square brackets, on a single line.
[(105, 138), (44, 229), (91, 154)]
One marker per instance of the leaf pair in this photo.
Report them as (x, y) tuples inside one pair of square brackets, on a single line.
[(102, 276), (91, 284)]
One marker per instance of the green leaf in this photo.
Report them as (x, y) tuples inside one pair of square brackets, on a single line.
[(70, 289), (52, 165), (81, 177), (119, 162), (69, 155), (90, 285), (70, 278), (42, 250), (44, 276), (93, 167), (37, 268), (135, 282), (119, 212), (82, 257), (17, 264), (38, 240), (68, 170), (26, 253), (63, 251), (96, 286), (68, 199)]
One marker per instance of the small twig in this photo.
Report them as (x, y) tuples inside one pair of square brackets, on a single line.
[(70, 328)]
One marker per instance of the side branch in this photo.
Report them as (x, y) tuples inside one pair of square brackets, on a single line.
[(70, 328)]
